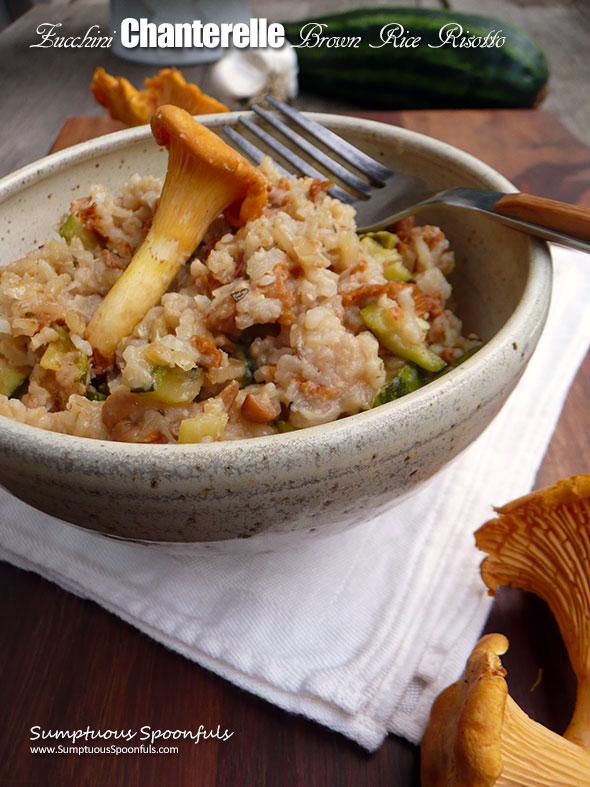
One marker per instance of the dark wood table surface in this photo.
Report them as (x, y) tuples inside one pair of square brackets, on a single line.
[(68, 664)]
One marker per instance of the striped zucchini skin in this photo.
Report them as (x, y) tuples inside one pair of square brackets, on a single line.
[(511, 76)]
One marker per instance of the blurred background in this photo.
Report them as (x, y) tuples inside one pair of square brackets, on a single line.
[(55, 80)]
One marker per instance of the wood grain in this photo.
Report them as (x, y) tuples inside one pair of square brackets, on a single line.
[(562, 28), (530, 147), (559, 216), (79, 129), (70, 664)]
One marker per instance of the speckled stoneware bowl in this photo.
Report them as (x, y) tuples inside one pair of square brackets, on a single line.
[(284, 488)]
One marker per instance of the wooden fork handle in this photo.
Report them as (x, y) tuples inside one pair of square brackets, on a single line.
[(570, 219)]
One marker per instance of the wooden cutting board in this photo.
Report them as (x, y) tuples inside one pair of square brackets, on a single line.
[(530, 147)]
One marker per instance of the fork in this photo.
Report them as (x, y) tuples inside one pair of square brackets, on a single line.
[(383, 197)]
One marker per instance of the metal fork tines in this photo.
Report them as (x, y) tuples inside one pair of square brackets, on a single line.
[(374, 170), (368, 193), (359, 189), (382, 197)]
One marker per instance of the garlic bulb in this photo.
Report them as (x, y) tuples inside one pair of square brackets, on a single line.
[(247, 75)]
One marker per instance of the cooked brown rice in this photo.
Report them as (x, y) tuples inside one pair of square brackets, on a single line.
[(263, 326)]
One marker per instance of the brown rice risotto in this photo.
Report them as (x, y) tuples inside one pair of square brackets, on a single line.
[(292, 320)]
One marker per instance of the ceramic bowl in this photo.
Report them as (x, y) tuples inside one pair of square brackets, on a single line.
[(266, 491)]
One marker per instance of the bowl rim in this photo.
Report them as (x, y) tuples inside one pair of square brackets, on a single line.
[(48, 442)]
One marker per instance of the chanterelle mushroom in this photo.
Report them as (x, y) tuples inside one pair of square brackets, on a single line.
[(541, 543), (478, 736), (205, 177), (135, 107)]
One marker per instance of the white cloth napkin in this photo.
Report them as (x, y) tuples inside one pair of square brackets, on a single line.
[(360, 631)]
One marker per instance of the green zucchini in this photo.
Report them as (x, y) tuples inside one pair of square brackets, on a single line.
[(202, 427), (172, 385), (380, 323), (382, 246), (73, 228), (249, 363), (95, 396), (177, 386), (427, 76), (11, 379), (58, 351), (409, 378), (285, 426)]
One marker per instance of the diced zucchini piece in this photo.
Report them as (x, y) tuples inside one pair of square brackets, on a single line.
[(394, 268), (388, 240), (73, 228), (379, 321), (82, 364), (176, 386), (408, 379), (285, 426), (54, 356), (10, 379), (201, 427), (95, 396), (143, 389), (243, 355), (396, 271), (379, 252)]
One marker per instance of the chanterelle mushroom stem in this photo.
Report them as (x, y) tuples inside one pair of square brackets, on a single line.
[(541, 543), (478, 736), (205, 177)]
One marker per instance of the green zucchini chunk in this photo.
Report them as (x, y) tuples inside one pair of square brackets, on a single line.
[(73, 228), (10, 379), (408, 379), (380, 323)]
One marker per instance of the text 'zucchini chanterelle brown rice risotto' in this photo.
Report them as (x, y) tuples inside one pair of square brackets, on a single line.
[(283, 318)]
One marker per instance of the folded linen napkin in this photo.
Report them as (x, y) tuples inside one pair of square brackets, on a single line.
[(360, 631)]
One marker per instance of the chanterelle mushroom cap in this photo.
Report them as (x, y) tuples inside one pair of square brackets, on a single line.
[(134, 107), (169, 86), (478, 736), (205, 177), (118, 96), (541, 543), (176, 130)]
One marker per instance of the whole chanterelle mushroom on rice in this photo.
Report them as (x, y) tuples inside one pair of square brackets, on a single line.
[(282, 318)]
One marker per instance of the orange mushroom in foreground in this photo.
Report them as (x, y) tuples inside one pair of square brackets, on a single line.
[(477, 735), (541, 543)]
